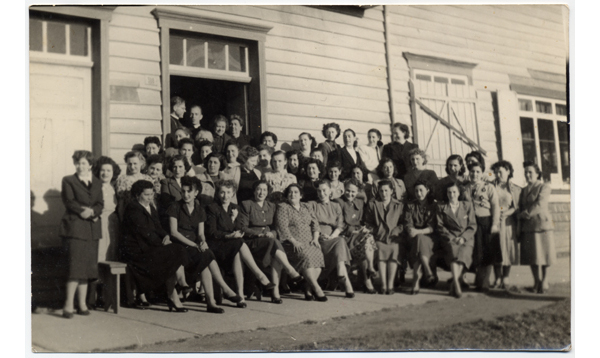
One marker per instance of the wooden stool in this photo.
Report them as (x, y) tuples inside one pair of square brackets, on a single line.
[(110, 272)]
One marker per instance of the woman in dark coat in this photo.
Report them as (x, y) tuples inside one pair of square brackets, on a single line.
[(347, 155), (313, 171), (456, 226), (147, 248), (417, 172), (81, 229)]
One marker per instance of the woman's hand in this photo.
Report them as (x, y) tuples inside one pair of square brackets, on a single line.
[(203, 246), (166, 240), (495, 229), (86, 213), (297, 245), (325, 237), (412, 232), (269, 234), (316, 243)]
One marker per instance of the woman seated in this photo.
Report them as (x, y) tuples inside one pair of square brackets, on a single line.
[(383, 216), (147, 249), (136, 163), (226, 242), (186, 148), (256, 220), (456, 226), (359, 239), (417, 172), (456, 170), (214, 163), (264, 156), (170, 190), (298, 229), (295, 161), (331, 224), (331, 131), (387, 171), (278, 179), (153, 146), (269, 139), (203, 149), (313, 171), (334, 172), (419, 222), (358, 173), (232, 171), (248, 159), (156, 172), (186, 223)]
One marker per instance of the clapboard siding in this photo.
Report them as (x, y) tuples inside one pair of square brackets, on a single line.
[(504, 16), (303, 97), (135, 51)]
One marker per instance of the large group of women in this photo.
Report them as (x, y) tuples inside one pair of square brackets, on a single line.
[(217, 207)]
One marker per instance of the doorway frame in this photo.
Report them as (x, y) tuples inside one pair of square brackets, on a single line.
[(192, 19)]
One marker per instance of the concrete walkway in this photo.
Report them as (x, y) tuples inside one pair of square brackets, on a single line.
[(107, 331)]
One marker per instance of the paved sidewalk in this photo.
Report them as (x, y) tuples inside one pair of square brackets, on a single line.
[(131, 327)]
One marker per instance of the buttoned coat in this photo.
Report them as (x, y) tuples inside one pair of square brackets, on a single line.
[(534, 201), (462, 224), (76, 196), (142, 230), (386, 226), (398, 153), (347, 161)]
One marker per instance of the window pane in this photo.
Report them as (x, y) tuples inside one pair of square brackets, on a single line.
[(175, 50), (195, 53), (78, 40), (543, 107), (563, 140), (525, 105), (216, 56), (528, 140), (561, 109), (423, 78), (455, 81), (547, 148), (237, 58), (440, 79), (35, 36), (56, 38)]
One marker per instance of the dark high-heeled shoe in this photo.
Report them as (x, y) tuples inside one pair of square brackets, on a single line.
[(242, 304), (276, 300), (414, 291), (184, 290), (67, 314), (214, 309), (309, 296), (370, 291), (297, 280), (390, 291), (268, 287), (349, 294), (143, 304), (82, 312), (371, 273), (234, 299), (321, 299), (172, 306)]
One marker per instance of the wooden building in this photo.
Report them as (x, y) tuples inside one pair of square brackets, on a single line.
[(491, 78)]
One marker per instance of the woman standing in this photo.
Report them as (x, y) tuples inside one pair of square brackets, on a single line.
[(456, 226), (417, 172), (313, 171), (334, 172), (256, 221), (537, 239), (331, 131), (136, 163), (226, 242), (214, 163), (383, 216), (233, 170), (81, 229), (358, 237), (298, 229), (508, 198), (236, 123), (419, 221), (399, 148), (108, 171), (248, 159), (278, 179), (220, 137), (348, 156), (365, 189), (331, 224), (387, 171), (371, 153)]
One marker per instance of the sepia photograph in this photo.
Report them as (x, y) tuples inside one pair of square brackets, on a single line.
[(300, 178)]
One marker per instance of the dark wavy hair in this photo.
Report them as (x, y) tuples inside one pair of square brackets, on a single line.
[(259, 182), (106, 160), (529, 163), (478, 156), (186, 141), (246, 153), (313, 141), (354, 134), (363, 170), (461, 162), (295, 152), (378, 132), (403, 127), (203, 143), (473, 165), (353, 181), (192, 182), (219, 156), (83, 154), (319, 164), (382, 162), (420, 152), (506, 165), (262, 147), (427, 185), (385, 182), (156, 158), (449, 185), (286, 192), (150, 140), (268, 134), (225, 183), (178, 157), (331, 125), (139, 186)]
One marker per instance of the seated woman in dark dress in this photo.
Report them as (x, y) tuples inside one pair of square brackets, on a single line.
[(313, 171), (456, 226), (226, 242), (331, 224), (417, 172), (147, 249), (186, 221), (419, 222), (256, 221), (248, 159), (298, 229)]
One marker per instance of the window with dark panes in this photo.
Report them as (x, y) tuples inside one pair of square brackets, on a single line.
[(547, 148), (528, 137), (565, 154), (59, 37), (543, 107)]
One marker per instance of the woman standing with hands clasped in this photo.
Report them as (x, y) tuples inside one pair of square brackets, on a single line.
[(81, 229), (537, 240)]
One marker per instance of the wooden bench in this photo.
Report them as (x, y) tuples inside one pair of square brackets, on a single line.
[(110, 273)]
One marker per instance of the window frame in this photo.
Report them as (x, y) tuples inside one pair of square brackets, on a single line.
[(554, 118), (60, 58)]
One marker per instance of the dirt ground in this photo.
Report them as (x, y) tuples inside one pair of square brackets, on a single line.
[(494, 321)]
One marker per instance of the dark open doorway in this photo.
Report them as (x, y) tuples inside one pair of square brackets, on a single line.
[(213, 96)]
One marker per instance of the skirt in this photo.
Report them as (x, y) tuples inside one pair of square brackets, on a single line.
[(263, 250), (225, 251), (420, 245), (107, 246), (198, 261), (310, 257), (537, 248), (82, 256), (334, 251), (152, 269), (388, 252), (509, 244), (359, 241), (486, 250), (452, 252)]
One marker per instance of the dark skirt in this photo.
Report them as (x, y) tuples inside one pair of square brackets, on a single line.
[(82, 256), (263, 250), (486, 250), (152, 269), (225, 251), (334, 251), (538, 248), (388, 252), (420, 245), (451, 252), (198, 261)]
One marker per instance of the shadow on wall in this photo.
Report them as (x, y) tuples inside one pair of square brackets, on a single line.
[(44, 226)]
